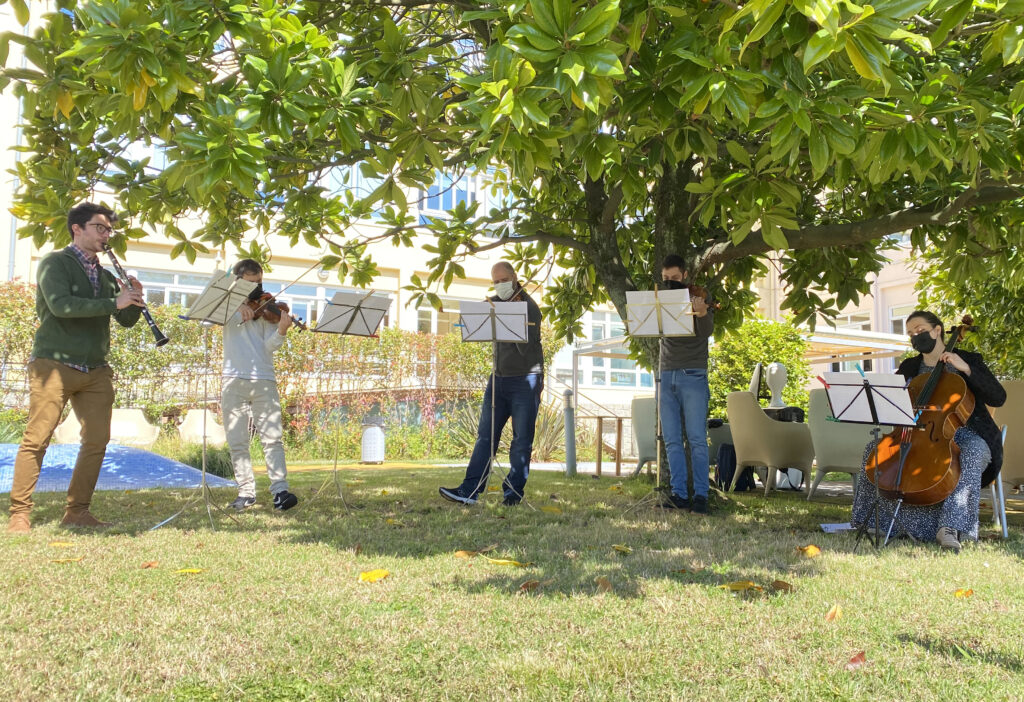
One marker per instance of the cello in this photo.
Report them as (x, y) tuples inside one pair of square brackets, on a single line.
[(920, 465)]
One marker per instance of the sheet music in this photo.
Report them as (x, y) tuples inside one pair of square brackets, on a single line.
[(357, 314), (221, 298), (494, 321), (849, 400), (659, 313)]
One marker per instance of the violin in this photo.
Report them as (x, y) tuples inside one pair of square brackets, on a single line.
[(702, 292), (921, 464), (270, 309)]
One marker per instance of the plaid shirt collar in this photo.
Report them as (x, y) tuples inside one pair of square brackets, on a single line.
[(91, 264)]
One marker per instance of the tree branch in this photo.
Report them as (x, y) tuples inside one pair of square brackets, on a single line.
[(854, 233)]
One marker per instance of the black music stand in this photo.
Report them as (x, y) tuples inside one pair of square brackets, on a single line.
[(881, 399), (658, 313), (223, 295), (353, 314), (495, 322)]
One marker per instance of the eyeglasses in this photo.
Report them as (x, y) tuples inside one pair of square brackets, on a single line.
[(101, 228)]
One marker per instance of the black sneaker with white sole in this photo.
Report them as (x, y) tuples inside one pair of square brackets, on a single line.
[(284, 500), (455, 495), (242, 503)]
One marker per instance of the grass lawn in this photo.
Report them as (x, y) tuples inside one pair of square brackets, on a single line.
[(278, 610)]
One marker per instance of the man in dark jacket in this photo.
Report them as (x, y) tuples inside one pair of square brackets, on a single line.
[(75, 299), (515, 389)]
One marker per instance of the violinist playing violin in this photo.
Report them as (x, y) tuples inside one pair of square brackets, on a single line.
[(250, 390), (980, 447), (685, 395)]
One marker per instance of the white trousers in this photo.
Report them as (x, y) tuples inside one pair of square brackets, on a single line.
[(241, 399)]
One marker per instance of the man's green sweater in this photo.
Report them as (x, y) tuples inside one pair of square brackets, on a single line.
[(74, 321)]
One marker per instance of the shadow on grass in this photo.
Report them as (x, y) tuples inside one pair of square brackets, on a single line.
[(968, 652)]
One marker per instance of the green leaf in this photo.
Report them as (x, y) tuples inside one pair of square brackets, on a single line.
[(818, 48), (950, 20), (818, 149), (738, 153), (544, 14), (600, 61), (537, 38), (21, 12)]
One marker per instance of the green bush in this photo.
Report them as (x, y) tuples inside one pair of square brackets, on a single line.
[(218, 459), (758, 341)]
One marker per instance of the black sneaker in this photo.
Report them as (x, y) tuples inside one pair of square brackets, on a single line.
[(242, 503), (511, 501), (674, 501), (455, 495), (700, 504), (284, 500)]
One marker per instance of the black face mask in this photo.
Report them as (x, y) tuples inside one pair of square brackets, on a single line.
[(257, 292), (923, 342), (673, 284)]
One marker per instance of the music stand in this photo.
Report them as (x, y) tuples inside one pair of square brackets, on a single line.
[(879, 399), (220, 299), (354, 314), (658, 313), (495, 322)]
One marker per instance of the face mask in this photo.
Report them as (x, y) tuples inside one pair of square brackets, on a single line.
[(673, 284), (505, 290), (923, 342)]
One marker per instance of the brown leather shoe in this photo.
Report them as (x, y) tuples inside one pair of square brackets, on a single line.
[(19, 524), (83, 519)]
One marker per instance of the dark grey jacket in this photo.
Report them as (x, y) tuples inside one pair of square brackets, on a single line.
[(689, 351), (521, 359)]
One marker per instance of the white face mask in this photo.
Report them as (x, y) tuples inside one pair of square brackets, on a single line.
[(505, 290)]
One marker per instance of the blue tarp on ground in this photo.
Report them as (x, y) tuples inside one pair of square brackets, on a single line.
[(124, 468)]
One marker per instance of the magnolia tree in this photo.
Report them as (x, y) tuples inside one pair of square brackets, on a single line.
[(793, 133)]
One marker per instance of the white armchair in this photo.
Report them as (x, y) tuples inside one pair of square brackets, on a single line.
[(762, 442), (838, 446)]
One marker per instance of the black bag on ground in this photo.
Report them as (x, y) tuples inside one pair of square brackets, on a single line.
[(726, 469)]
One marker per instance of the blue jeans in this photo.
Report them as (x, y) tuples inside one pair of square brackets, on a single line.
[(516, 397), (684, 401)]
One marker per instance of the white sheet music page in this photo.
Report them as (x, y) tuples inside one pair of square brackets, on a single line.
[(659, 313), (494, 321)]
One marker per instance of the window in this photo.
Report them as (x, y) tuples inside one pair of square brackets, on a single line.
[(857, 320), (898, 318), (851, 366), (446, 193)]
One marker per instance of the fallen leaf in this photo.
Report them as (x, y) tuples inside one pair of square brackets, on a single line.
[(858, 661), (61, 544), (616, 488), (551, 509), (782, 586), (393, 522), (622, 548), (810, 550), (67, 560), (493, 488), (150, 564), (508, 562), (603, 584), (372, 576), (835, 613), (465, 554), (383, 492), (963, 593), (189, 571), (554, 497), (529, 586), (741, 586), (488, 549)]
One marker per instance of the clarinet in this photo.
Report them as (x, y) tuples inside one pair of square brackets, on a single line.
[(161, 338)]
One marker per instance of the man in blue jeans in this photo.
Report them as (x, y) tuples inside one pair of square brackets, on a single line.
[(515, 389), (685, 397)]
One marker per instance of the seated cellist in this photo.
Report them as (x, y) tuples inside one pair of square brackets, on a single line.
[(981, 450)]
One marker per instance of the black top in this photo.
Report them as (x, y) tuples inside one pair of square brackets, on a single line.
[(689, 352), (987, 391), (513, 359)]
